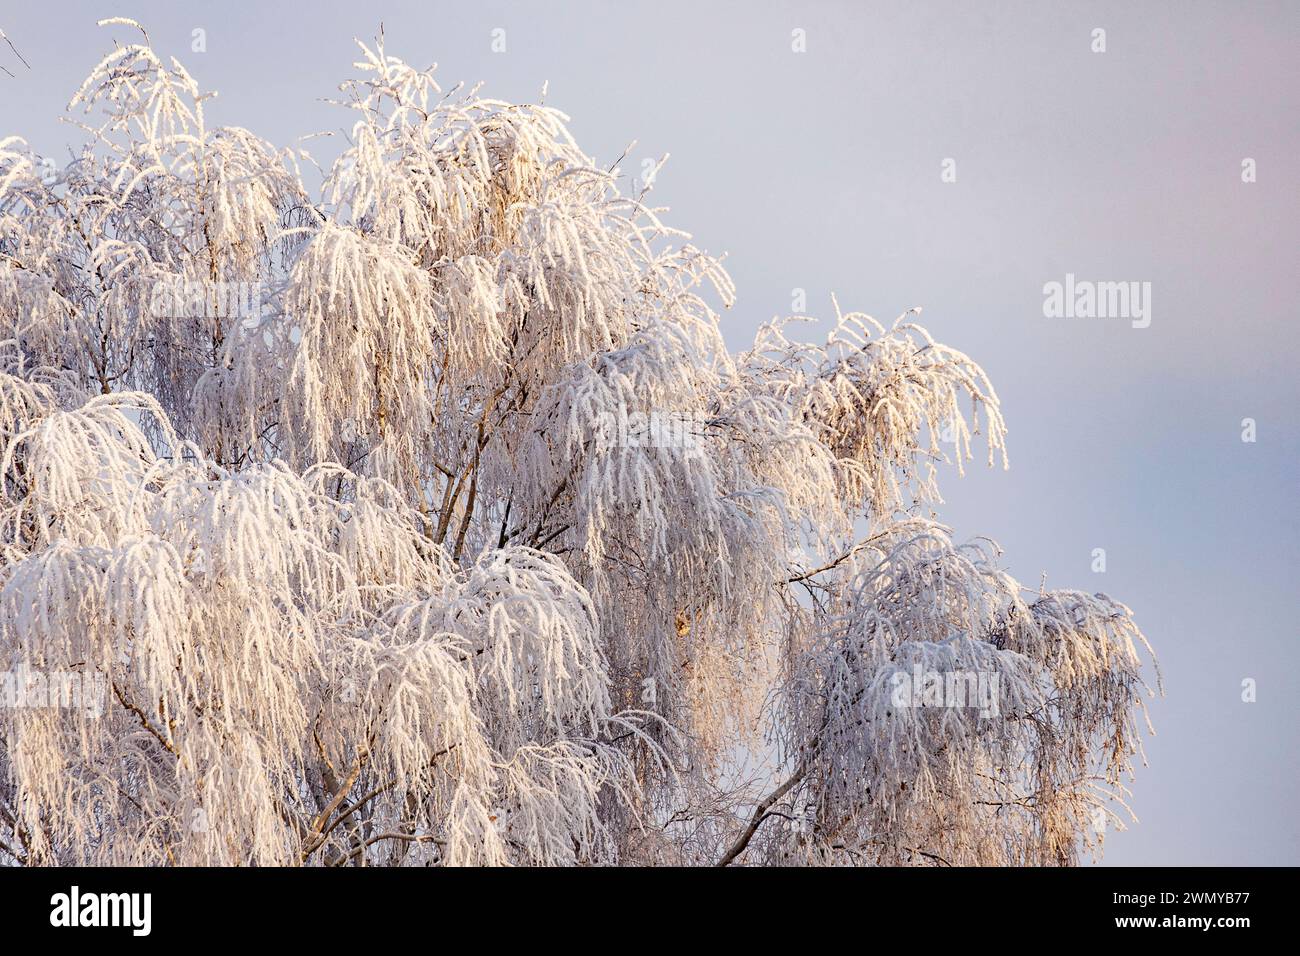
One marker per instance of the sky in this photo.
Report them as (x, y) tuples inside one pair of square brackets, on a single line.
[(958, 157)]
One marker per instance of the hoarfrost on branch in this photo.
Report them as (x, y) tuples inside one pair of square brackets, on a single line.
[(367, 577)]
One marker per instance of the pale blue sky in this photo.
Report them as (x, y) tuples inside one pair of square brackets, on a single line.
[(821, 171)]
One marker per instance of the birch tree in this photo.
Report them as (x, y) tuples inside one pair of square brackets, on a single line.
[(424, 518)]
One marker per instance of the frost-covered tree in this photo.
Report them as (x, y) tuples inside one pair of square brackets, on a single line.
[(424, 518)]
